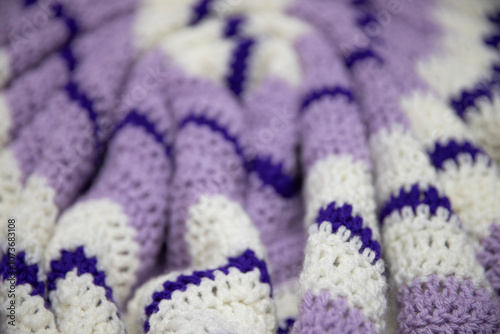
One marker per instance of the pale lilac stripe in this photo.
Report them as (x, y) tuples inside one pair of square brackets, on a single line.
[(322, 314)]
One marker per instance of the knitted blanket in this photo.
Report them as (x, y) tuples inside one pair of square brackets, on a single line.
[(249, 166)]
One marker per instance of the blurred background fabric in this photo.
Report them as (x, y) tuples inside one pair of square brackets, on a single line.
[(249, 166)]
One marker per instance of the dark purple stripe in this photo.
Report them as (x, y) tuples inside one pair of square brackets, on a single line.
[(287, 328), (215, 127), (270, 173), (451, 150), (28, 3), (238, 64), (24, 273), (342, 216), (244, 263), (413, 199), (134, 118), (77, 95), (492, 40), (361, 55), (495, 18), (365, 19), (318, 94), (360, 3), (233, 25), (68, 56), (468, 98), (200, 11), (365, 9), (70, 22), (77, 259)]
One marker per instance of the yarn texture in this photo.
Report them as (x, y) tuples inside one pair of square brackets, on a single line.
[(265, 166)]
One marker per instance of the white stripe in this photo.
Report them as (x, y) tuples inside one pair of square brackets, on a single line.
[(211, 55), (36, 215), (236, 302), (474, 190), (10, 190), (392, 309), (143, 296), (231, 7), (30, 313), (334, 264), (201, 51), (418, 246), (5, 124), (277, 25), (401, 162), (286, 297), (340, 179), (102, 228), (476, 9), (432, 120), (81, 307), (157, 4), (218, 228), (274, 58), (156, 20), (463, 58)]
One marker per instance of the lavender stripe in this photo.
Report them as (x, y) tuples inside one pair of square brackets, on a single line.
[(24, 273), (270, 173), (318, 94), (241, 53), (77, 259), (233, 26), (489, 257), (244, 263), (447, 305), (452, 150), (342, 216), (413, 199), (323, 314), (137, 119), (200, 11)]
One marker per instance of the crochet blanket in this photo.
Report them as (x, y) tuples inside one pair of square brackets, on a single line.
[(249, 166)]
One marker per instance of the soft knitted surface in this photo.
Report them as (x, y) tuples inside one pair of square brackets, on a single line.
[(283, 166)]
